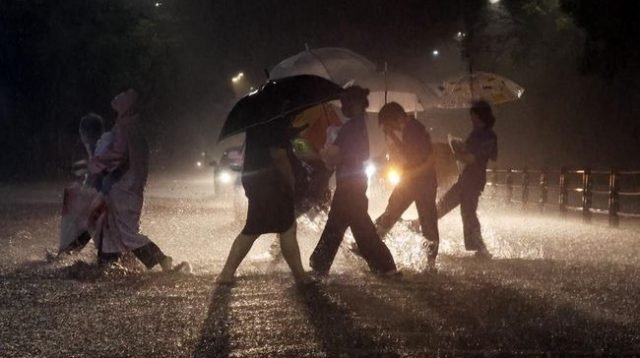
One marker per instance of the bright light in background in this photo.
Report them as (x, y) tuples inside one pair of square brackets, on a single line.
[(237, 77), (393, 176), (494, 1), (225, 177), (158, 4), (199, 164), (370, 170), (435, 52)]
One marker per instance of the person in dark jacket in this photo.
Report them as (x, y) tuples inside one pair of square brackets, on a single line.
[(350, 204), (419, 183), (269, 184), (480, 147)]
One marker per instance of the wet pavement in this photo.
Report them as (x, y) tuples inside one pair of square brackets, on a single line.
[(554, 286)]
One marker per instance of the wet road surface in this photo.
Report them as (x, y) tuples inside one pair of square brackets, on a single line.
[(553, 286)]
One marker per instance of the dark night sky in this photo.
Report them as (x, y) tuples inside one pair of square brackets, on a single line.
[(579, 107), (566, 117)]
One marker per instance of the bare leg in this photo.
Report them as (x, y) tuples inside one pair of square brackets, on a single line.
[(240, 248), (291, 254)]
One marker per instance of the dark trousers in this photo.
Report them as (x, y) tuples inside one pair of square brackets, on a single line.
[(349, 210), (467, 198), (424, 195)]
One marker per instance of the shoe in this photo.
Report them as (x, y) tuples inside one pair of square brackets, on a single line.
[(483, 254), (166, 263)]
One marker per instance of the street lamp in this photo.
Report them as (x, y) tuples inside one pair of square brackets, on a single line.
[(239, 84), (237, 78), (435, 53)]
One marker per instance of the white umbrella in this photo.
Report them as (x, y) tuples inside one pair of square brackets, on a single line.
[(460, 91), (387, 87), (339, 65)]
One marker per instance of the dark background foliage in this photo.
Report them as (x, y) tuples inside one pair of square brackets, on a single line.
[(59, 59)]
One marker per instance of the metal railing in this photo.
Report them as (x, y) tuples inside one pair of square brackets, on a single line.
[(566, 184)]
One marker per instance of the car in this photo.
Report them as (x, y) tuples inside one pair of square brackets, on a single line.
[(226, 171)]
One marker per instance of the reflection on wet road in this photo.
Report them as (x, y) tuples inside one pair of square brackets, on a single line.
[(554, 286)]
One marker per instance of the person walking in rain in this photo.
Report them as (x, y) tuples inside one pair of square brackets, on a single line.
[(269, 184), (350, 203), (419, 183), (126, 163), (480, 147)]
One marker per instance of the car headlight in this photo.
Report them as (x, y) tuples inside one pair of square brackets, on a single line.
[(225, 177), (370, 170), (393, 176)]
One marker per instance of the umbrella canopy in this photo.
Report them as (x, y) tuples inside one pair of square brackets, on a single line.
[(278, 99), (387, 87), (333, 63), (464, 89)]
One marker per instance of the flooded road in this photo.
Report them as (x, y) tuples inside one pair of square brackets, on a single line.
[(553, 286)]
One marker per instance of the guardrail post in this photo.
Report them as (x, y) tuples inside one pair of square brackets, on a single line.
[(587, 195), (614, 202), (564, 192), (544, 190), (509, 183), (525, 187)]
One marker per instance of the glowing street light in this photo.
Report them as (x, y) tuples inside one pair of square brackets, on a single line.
[(435, 52), (158, 4), (493, 1), (237, 77)]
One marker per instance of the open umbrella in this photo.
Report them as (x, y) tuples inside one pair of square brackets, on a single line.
[(277, 99), (387, 87), (462, 90), (333, 63)]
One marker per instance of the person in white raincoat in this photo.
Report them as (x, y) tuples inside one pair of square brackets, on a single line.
[(126, 162)]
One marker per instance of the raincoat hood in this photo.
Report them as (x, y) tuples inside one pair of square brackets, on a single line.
[(124, 102)]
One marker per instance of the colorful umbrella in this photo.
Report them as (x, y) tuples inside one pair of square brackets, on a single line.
[(464, 89), (316, 121)]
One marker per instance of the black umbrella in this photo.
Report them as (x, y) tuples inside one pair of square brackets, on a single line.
[(277, 99)]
